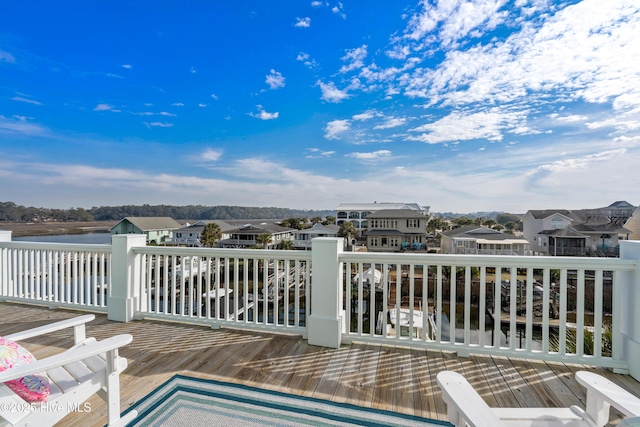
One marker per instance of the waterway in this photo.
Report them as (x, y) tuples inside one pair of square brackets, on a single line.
[(85, 238)]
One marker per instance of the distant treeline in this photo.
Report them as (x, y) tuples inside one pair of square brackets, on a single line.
[(9, 211)]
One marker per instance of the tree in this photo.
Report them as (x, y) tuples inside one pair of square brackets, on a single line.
[(210, 235), (348, 231), (263, 239), (329, 219), (287, 245)]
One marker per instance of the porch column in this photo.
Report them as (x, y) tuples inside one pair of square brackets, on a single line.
[(5, 236), (630, 301), (325, 321), (125, 277)]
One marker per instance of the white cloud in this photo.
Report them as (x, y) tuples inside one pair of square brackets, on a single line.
[(354, 58), (158, 124), (338, 9), (20, 125), (331, 93), (391, 122), (584, 58), (446, 22), (28, 101), (367, 115), (7, 57), (214, 96), (263, 115), (127, 66), (318, 153), (211, 155), (306, 59), (571, 118), (461, 126), (106, 107), (202, 105), (303, 22), (275, 79), (177, 104), (335, 128), (374, 155)]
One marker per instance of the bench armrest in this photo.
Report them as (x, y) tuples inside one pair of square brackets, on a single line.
[(464, 404), (66, 357), (602, 393), (78, 323)]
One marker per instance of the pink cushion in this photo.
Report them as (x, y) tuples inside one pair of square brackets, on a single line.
[(32, 388)]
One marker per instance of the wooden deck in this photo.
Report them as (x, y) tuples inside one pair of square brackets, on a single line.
[(384, 377)]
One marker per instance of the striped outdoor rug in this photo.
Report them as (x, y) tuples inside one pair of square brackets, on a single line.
[(186, 401)]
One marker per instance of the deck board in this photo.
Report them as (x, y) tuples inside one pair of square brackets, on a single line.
[(379, 376)]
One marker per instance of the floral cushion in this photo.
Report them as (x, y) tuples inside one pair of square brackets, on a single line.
[(32, 388)]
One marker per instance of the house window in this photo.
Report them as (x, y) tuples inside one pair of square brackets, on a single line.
[(384, 242), (413, 223), (557, 223), (374, 241)]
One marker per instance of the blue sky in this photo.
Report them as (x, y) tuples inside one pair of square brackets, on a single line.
[(460, 105)]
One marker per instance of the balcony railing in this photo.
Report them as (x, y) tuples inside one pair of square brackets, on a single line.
[(569, 309)]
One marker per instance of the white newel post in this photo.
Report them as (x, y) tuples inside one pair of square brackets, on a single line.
[(125, 280), (5, 236), (325, 321), (630, 322)]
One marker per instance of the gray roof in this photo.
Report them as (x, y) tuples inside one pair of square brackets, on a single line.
[(375, 206), (199, 226), (151, 223), (478, 232), (261, 228)]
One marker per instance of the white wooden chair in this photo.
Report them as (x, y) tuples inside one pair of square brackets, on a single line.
[(75, 374), (465, 407)]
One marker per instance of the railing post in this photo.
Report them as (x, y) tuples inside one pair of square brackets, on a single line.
[(325, 321), (630, 316), (5, 236), (125, 280)]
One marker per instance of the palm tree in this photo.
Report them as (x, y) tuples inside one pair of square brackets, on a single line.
[(287, 245), (210, 235), (263, 239), (348, 231)]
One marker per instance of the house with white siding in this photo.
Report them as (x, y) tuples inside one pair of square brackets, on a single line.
[(478, 240), (583, 232), (358, 213)]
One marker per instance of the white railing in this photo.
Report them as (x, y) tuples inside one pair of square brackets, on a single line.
[(452, 302), (74, 276), (581, 310), (253, 289)]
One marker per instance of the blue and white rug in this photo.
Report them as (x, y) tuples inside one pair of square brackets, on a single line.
[(186, 401)]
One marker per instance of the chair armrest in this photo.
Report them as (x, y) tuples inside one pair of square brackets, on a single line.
[(66, 357), (77, 323), (601, 393), (464, 404)]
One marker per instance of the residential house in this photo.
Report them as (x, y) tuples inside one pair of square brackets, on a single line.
[(475, 239), (396, 230), (633, 225), (358, 213), (189, 235), (583, 232), (247, 236), (157, 229), (302, 238)]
